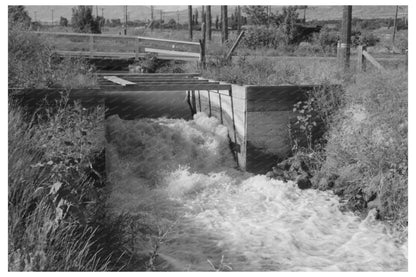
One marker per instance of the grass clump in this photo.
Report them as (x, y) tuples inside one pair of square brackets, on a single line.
[(367, 149), (55, 175), (31, 64)]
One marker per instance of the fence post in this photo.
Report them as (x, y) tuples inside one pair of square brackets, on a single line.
[(202, 44), (361, 61), (91, 45)]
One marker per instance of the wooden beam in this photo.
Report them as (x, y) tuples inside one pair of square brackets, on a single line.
[(157, 84), (116, 36), (173, 53), (372, 60), (361, 62), (240, 36), (156, 81), (118, 80), (167, 87), (126, 73)]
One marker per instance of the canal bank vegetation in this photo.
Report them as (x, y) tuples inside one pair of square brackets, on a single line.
[(57, 218), (352, 135), (352, 132)]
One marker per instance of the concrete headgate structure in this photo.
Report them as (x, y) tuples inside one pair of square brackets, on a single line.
[(257, 117)]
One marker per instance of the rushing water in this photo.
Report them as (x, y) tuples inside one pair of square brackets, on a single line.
[(180, 178)]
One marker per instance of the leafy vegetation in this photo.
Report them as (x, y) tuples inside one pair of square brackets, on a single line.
[(367, 145), (57, 219), (83, 21)]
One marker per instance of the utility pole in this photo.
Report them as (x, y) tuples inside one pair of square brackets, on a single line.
[(238, 19), (209, 22), (125, 20), (345, 45), (151, 18), (395, 24), (203, 16), (161, 20), (190, 21), (224, 24)]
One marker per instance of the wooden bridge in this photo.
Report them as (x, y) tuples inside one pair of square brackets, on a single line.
[(120, 47)]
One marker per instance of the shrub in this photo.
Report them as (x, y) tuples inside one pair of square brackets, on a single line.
[(261, 36), (327, 39), (365, 38), (367, 144)]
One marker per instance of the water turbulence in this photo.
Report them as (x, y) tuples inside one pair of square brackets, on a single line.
[(180, 179)]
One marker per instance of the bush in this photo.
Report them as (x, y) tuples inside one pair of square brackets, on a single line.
[(367, 145), (364, 38), (327, 39), (261, 36)]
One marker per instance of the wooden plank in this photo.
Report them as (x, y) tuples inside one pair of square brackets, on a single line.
[(147, 75), (120, 55), (166, 87), (237, 41), (372, 60), (361, 64), (118, 80), (116, 36), (159, 78), (167, 81), (173, 53)]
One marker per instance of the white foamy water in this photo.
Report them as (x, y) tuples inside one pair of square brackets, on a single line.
[(180, 178)]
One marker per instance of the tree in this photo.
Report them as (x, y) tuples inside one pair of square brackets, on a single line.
[(290, 17), (63, 21), (217, 21), (18, 15), (83, 21), (256, 15), (171, 23)]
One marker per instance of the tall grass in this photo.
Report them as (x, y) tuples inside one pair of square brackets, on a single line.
[(53, 187), (57, 220), (31, 64), (368, 146)]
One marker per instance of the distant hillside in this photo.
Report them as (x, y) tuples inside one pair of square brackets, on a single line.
[(44, 13)]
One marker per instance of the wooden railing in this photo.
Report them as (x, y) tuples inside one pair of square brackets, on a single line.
[(363, 56), (166, 47)]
